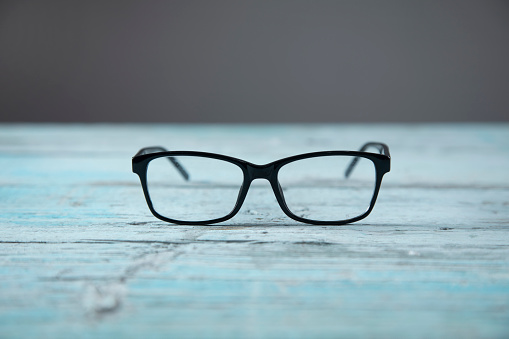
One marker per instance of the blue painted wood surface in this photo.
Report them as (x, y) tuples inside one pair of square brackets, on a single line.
[(81, 255)]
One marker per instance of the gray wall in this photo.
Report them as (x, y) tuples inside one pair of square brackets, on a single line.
[(264, 61)]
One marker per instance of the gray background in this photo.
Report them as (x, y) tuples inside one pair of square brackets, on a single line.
[(266, 61)]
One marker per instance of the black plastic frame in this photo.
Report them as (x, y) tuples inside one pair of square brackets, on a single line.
[(381, 161)]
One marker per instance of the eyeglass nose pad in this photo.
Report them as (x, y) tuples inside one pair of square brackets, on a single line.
[(241, 190), (280, 197), (280, 189)]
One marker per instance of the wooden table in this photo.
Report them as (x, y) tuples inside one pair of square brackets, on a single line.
[(81, 255)]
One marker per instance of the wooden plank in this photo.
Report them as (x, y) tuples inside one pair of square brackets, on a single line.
[(81, 254)]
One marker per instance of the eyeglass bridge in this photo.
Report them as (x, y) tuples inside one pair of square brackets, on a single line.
[(260, 171)]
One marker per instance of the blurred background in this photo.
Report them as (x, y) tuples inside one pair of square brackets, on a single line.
[(254, 61)]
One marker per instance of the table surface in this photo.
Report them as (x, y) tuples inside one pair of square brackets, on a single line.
[(80, 253)]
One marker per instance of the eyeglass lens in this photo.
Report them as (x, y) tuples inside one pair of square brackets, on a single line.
[(317, 188), (210, 192)]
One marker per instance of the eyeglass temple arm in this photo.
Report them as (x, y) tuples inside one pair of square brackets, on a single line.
[(172, 160), (381, 147)]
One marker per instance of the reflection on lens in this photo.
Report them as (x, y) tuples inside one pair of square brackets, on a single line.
[(210, 193), (317, 189)]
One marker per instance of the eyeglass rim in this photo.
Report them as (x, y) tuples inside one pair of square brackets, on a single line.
[(251, 172)]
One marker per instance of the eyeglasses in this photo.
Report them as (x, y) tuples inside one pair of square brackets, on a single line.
[(320, 188)]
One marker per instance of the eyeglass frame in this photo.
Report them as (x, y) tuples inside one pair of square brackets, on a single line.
[(381, 161)]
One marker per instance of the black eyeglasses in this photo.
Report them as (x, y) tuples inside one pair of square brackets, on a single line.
[(321, 188)]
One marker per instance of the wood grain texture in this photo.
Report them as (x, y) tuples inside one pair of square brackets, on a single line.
[(81, 255)]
